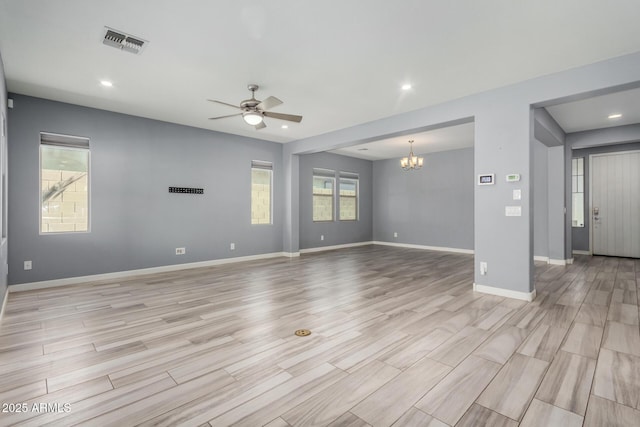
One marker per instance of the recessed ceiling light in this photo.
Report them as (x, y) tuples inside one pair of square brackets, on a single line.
[(406, 86), (615, 116), (285, 127), (106, 83)]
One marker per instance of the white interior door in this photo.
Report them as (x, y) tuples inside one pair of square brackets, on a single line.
[(615, 204)]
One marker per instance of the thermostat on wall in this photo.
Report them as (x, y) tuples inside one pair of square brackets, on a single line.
[(513, 177), (486, 179)]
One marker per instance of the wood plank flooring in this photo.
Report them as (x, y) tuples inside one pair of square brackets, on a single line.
[(398, 338)]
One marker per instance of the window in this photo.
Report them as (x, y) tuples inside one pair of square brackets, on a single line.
[(577, 192), (348, 196), (261, 192), (64, 184), (324, 182)]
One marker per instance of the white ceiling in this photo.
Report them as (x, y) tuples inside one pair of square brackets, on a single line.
[(338, 63), (443, 139), (576, 116), (593, 113)]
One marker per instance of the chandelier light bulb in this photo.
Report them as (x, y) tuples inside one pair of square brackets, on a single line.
[(412, 161)]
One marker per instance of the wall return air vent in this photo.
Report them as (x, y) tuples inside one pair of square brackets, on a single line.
[(123, 41)]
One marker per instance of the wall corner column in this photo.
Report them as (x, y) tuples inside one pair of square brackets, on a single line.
[(503, 145), (291, 225)]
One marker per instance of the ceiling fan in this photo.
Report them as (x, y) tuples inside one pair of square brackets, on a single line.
[(254, 111)]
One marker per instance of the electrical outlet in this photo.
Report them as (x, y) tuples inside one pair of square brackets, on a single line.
[(395, 234), (181, 251), (483, 268), (322, 237), (28, 265), (232, 246)]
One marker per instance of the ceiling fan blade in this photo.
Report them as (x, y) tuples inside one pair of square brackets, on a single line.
[(282, 116), (224, 103), (224, 117), (269, 103), (261, 125)]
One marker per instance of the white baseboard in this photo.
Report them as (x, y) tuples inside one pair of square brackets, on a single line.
[(429, 248), (330, 248), (508, 293), (119, 274), (553, 261), (4, 304), (177, 267), (291, 254), (581, 252), (561, 261)]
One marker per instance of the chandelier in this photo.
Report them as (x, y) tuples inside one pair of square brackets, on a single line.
[(412, 161)]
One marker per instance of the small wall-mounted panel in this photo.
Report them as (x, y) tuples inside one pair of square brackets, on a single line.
[(513, 211), (186, 190), (486, 179)]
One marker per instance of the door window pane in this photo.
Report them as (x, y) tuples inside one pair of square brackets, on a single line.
[(577, 190)]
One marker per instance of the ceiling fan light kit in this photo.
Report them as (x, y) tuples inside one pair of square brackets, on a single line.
[(254, 111), (252, 118)]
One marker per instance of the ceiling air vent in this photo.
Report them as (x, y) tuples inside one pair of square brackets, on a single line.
[(123, 41)]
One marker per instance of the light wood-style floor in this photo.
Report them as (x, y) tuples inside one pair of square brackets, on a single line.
[(398, 338)]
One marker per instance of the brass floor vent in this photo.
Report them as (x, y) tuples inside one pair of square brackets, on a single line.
[(303, 332)]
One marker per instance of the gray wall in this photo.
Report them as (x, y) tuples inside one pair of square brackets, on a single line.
[(549, 224), (432, 206), (548, 201), (291, 233), (503, 133), (606, 136), (540, 199), (556, 202), (503, 138), (3, 173), (135, 222), (580, 235), (546, 129), (335, 232)]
